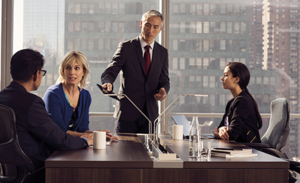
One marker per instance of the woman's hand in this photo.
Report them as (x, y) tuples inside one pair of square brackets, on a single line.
[(223, 133), (216, 133)]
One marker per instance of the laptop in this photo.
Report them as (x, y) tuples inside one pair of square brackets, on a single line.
[(113, 133), (181, 120)]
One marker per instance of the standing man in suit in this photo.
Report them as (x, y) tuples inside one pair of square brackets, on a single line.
[(144, 75), (38, 135)]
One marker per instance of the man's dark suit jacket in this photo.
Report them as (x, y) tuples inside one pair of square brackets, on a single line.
[(242, 118), (38, 135), (133, 81)]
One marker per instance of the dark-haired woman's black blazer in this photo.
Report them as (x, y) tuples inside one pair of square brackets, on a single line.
[(243, 121)]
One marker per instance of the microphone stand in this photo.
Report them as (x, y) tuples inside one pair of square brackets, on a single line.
[(150, 123)]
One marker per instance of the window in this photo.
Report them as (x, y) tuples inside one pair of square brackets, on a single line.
[(206, 9), (199, 63), (223, 9), (175, 63), (236, 9), (199, 27), (222, 63), (266, 80), (212, 9), (206, 27), (77, 8), (193, 9), (205, 63), (222, 44), (203, 37), (199, 8), (223, 27), (236, 27), (182, 63), (229, 9)]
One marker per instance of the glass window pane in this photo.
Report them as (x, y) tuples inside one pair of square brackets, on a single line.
[(92, 27), (246, 33)]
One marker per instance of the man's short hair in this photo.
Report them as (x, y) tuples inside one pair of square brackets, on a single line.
[(153, 13), (25, 63)]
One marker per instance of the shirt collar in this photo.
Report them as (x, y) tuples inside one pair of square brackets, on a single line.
[(143, 43)]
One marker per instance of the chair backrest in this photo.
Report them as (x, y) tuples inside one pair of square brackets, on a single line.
[(10, 150), (278, 131)]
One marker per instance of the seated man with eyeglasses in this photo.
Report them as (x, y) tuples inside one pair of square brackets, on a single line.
[(38, 135)]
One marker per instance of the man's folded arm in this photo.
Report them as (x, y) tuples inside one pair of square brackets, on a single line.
[(41, 125)]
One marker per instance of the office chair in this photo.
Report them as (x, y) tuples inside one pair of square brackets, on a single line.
[(15, 164), (276, 136)]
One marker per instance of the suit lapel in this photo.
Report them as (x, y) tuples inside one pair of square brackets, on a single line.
[(139, 54)]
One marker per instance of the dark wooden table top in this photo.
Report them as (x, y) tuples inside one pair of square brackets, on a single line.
[(129, 152), (263, 160)]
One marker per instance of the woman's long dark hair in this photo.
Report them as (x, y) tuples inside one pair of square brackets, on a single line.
[(241, 70)]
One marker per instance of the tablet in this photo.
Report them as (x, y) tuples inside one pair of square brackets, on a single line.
[(105, 92)]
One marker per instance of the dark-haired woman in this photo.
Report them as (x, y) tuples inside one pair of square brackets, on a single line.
[(241, 120)]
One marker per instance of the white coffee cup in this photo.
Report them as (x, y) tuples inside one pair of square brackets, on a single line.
[(177, 132), (99, 140)]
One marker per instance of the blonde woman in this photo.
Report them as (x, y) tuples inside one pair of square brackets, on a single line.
[(67, 102)]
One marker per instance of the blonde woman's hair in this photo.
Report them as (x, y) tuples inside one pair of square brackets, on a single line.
[(69, 59)]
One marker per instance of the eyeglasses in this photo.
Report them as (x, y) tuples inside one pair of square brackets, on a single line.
[(43, 71)]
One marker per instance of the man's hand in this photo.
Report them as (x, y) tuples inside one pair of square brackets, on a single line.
[(89, 136), (223, 133), (107, 87), (109, 136), (161, 94)]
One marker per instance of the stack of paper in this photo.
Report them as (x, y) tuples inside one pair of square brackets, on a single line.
[(232, 153)]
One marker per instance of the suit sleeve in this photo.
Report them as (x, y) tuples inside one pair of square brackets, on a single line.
[(84, 126), (237, 122), (115, 65), (54, 108), (41, 126), (164, 80)]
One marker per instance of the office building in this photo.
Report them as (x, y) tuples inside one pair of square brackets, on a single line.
[(281, 53)]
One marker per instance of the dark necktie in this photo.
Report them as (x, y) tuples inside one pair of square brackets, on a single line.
[(147, 59)]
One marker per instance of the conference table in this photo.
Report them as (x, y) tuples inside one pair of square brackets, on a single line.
[(127, 161)]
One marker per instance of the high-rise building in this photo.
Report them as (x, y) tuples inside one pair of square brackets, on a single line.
[(204, 36), (281, 53)]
